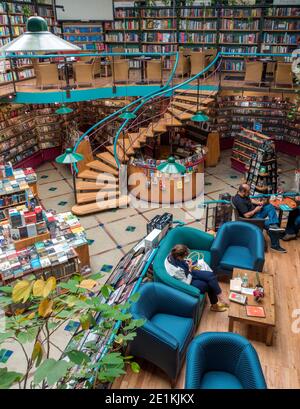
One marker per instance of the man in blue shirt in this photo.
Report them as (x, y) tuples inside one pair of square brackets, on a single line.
[(258, 209)]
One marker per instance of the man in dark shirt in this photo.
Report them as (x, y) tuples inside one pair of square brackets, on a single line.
[(258, 209)]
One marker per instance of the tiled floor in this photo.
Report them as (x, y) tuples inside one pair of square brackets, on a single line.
[(113, 233)]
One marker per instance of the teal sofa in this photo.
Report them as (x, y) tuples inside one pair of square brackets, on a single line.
[(195, 240)]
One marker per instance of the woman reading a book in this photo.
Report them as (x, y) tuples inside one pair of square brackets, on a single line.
[(180, 267)]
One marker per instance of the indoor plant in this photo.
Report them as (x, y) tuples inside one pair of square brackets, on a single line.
[(36, 309)]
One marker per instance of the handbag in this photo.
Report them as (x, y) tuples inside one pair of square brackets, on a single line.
[(198, 261)]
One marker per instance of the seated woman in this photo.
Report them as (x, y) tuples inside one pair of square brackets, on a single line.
[(178, 266)]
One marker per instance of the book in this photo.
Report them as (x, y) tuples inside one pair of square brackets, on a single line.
[(236, 285), (255, 311), (238, 298)]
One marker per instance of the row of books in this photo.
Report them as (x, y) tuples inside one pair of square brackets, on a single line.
[(281, 38), (284, 12), (201, 12), (13, 199), (26, 73), (27, 125), (3, 19), (21, 216), (197, 25), (120, 13), (159, 37), (197, 38), (122, 25), (159, 24), (77, 29), (239, 49), (4, 31), (240, 13), (122, 37), (155, 48), (158, 13), (82, 38), (240, 25), (238, 38), (17, 19), (281, 25)]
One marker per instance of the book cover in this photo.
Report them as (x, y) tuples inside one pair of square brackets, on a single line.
[(238, 298), (255, 311)]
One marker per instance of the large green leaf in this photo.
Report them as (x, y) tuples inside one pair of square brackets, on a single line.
[(52, 371), (7, 379), (135, 367), (114, 358), (5, 335), (6, 289), (78, 357)]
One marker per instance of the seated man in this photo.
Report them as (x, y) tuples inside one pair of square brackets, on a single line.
[(257, 209), (293, 225)]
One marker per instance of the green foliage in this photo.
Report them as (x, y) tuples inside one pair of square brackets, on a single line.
[(37, 312)]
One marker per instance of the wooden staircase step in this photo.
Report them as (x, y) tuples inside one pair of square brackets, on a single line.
[(136, 139), (120, 152), (107, 158), (102, 167), (130, 146), (171, 120), (93, 196), (100, 177), (183, 116), (202, 100), (159, 126), (83, 185), (146, 132), (82, 210), (187, 107), (195, 92)]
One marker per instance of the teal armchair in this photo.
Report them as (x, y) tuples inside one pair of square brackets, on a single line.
[(195, 240)]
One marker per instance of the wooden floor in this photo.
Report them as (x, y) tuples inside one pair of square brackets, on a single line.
[(280, 362)]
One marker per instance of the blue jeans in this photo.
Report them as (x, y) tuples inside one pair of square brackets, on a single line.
[(268, 211), (206, 282), (293, 224)]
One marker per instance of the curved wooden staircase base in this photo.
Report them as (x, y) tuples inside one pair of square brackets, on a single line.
[(98, 175)]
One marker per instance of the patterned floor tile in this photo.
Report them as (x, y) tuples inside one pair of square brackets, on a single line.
[(102, 242), (58, 188), (44, 167), (120, 234), (53, 203), (49, 176), (105, 263), (111, 216)]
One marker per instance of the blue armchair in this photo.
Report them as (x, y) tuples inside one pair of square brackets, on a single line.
[(196, 240), (223, 360), (240, 245), (170, 324)]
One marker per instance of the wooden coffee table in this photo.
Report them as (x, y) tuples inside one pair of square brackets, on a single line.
[(237, 312)]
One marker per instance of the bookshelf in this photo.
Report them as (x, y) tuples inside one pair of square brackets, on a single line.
[(88, 36), (244, 109)]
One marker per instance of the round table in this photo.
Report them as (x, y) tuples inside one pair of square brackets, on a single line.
[(285, 201)]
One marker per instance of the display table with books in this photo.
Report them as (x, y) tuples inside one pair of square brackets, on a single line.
[(57, 255), (254, 313)]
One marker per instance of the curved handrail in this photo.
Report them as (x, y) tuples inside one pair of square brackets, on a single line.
[(189, 80), (125, 108)]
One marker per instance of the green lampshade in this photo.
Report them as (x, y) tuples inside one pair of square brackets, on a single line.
[(38, 38), (171, 167), (200, 117), (69, 157), (63, 110), (127, 115)]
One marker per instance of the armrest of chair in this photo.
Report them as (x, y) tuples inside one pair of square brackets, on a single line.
[(177, 302), (249, 370), (195, 365), (218, 248)]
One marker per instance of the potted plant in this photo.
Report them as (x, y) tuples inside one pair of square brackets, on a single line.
[(43, 308)]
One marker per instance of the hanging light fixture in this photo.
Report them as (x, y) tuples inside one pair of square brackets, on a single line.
[(63, 110), (38, 38), (127, 115), (200, 117), (171, 167), (70, 158)]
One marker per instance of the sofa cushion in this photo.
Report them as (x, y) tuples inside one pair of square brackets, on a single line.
[(220, 380), (181, 328), (237, 256)]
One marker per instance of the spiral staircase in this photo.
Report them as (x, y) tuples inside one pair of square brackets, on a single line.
[(97, 182)]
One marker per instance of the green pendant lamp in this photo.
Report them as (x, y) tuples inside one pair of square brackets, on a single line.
[(63, 110), (171, 167), (127, 115), (38, 38), (200, 117), (69, 157)]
